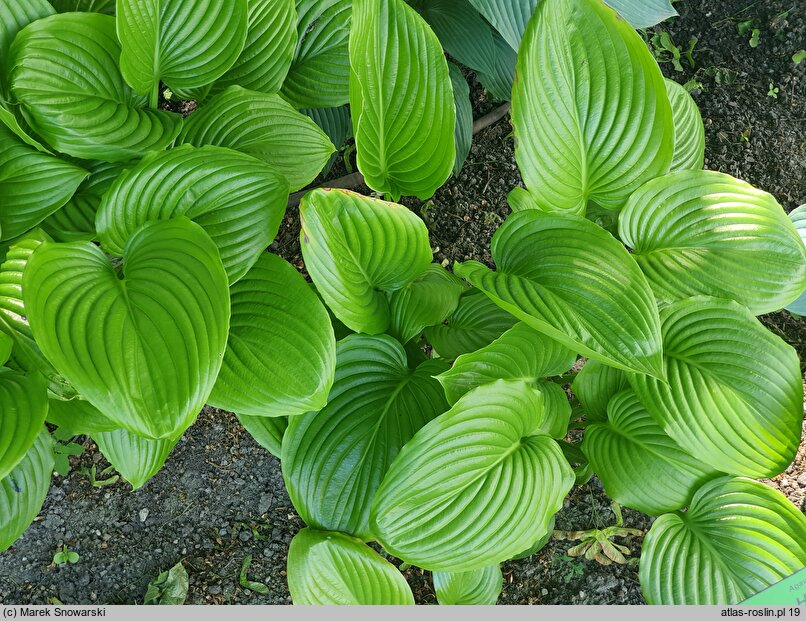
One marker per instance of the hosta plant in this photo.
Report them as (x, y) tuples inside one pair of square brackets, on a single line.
[(135, 286)]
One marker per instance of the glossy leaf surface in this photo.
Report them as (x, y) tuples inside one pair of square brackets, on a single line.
[(480, 587), (137, 459), (689, 132), (23, 407)]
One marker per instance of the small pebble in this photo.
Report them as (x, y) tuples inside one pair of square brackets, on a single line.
[(143, 515)]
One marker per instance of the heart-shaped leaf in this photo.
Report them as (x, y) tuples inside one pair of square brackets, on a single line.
[(79, 417), (319, 75), (427, 301), (281, 352), (595, 386), (798, 217), (476, 322), (267, 431), (480, 587), (33, 185), (401, 100), (327, 568), (184, 43), (14, 16), (639, 465), (270, 44), (689, 132), (23, 407), (23, 490), (568, 278), (65, 74), (265, 127), (737, 538), (146, 349), (137, 459), (734, 397), (591, 117), (476, 485), (334, 459), (358, 249), (237, 199), (700, 232), (463, 130), (519, 353)]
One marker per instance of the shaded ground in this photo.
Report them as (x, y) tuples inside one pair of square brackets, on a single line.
[(221, 497)]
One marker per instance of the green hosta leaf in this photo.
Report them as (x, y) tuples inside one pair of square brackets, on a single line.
[(520, 199), (265, 127), (23, 490), (65, 74), (90, 6), (699, 232), (541, 543), (798, 217), (19, 128), (145, 350), (734, 397), (327, 568), (401, 100), (79, 417), (463, 130), (480, 587), (427, 301), (334, 459), (269, 50), (23, 407), (267, 431), (336, 123), (476, 322), (591, 117), (499, 82), (137, 459), (14, 16), (281, 352), (595, 385), (357, 249), (319, 76), (519, 353), (644, 13), (570, 279), (461, 30), (6, 345), (640, 466), (33, 185), (557, 408), (238, 200), (476, 485), (737, 538), (184, 43), (689, 132), (76, 220)]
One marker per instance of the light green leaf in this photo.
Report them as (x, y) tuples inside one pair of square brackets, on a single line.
[(700, 232), (798, 217), (476, 485), (267, 431), (463, 130), (644, 13), (427, 301), (475, 323), (23, 490), (737, 538), (170, 588), (336, 123), (568, 278), (76, 220), (14, 16), (184, 43), (557, 409), (639, 465), (591, 117), (281, 352), (33, 185), (65, 74), (270, 43), (594, 386), (326, 569), (136, 458), (319, 76), (79, 417), (519, 353), (358, 249), (499, 82), (6, 345), (237, 199), (480, 587), (265, 127), (23, 407), (689, 132), (334, 459), (540, 543), (520, 199), (401, 100), (90, 6), (734, 397), (146, 349)]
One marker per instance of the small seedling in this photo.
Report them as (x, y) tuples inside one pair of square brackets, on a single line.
[(754, 37), (64, 555), (91, 473), (665, 51), (744, 27), (567, 567), (773, 91), (693, 85), (257, 587), (799, 56), (63, 449)]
